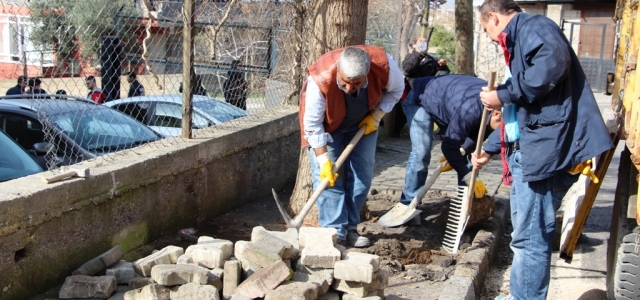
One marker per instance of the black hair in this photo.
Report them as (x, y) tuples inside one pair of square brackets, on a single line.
[(132, 74)]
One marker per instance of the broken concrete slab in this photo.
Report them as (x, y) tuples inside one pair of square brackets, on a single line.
[(326, 236), (140, 282), (262, 254), (207, 256), (122, 271), (262, 236), (82, 286), (232, 277), (192, 291), (353, 288), (353, 270), (225, 245), (293, 291), (264, 280), (317, 279), (167, 255), (149, 292), (169, 275)]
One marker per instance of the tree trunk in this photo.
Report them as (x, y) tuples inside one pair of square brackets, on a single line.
[(464, 37), (409, 15), (330, 24)]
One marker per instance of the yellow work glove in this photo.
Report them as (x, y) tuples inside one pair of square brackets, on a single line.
[(585, 169), (326, 168), (372, 120), (479, 190), (447, 167)]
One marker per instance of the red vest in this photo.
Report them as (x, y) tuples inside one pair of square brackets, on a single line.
[(323, 72)]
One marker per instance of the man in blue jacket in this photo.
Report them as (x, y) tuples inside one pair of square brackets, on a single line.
[(557, 127), (452, 102)]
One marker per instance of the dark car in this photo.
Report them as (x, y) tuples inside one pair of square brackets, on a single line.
[(75, 130), (15, 162)]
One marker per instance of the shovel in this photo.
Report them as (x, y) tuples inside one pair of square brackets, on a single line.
[(401, 213), (297, 221), (460, 206)]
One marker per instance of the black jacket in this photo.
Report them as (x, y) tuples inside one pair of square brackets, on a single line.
[(16, 90), (136, 89), (416, 65), (453, 102)]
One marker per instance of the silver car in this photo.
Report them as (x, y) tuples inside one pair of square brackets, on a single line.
[(163, 113)]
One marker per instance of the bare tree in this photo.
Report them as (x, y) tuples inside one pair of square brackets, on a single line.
[(464, 37), (330, 24)]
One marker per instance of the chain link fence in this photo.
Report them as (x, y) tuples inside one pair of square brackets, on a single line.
[(98, 79)]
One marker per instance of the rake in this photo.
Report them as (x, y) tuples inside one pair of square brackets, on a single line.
[(460, 206)]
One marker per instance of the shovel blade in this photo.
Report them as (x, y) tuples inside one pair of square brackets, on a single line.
[(398, 215)]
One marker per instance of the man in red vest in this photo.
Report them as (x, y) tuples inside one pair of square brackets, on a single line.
[(95, 93), (346, 89)]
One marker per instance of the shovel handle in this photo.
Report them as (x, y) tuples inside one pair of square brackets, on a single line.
[(325, 182), (427, 185), (483, 127)]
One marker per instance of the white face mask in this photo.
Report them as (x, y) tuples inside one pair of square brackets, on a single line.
[(422, 46)]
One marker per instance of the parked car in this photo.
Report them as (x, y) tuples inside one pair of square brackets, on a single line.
[(15, 162), (78, 130), (163, 113)]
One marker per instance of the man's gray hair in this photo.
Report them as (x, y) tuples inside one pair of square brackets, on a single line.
[(354, 62)]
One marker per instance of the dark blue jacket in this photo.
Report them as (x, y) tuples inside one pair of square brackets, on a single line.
[(16, 90), (453, 102), (558, 118)]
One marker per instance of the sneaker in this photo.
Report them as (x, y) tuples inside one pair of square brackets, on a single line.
[(356, 240), (503, 297)]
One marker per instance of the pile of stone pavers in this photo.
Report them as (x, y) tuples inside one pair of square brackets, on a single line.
[(305, 264)]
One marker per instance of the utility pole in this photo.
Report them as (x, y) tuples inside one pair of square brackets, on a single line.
[(188, 73)]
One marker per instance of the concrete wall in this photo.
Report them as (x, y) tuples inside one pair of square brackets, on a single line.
[(47, 231)]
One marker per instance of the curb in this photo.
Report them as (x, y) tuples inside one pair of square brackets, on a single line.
[(472, 268)]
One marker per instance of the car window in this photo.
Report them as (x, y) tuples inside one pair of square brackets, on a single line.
[(137, 110), (221, 111), (15, 162), (100, 129), (170, 115), (25, 131)]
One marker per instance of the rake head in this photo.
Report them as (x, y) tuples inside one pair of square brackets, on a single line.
[(457, 221)]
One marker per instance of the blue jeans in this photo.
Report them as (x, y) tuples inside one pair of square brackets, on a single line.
[(533, 220), (420, 132), (339, 206)]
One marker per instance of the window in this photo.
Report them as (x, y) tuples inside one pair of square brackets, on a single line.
[(170, 115)]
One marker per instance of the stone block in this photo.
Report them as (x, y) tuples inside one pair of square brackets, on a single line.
[(82, 286), (262, 254), (352, 297), (238, 248), (264, 280), (232, 277), (215, 279), (193, 291), (380, 281), (122, 271), (327, 274), (329, 296), (99, 263), (117, 296), (320, 256), (374, 260), (185, 259), (238, 297), (140, 282), (353, 270), (225, 245), (150, 292), (206, 256), (261, 236), (179, 274), (317, 279), (291, 235), (167, 255), (327, 236), (350, 287), (217, 272), (293, 291)]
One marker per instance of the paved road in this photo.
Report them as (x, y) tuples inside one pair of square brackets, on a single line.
[(584, 277)]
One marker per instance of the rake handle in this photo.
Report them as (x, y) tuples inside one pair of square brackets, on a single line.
[(481, 131), (325, 182)]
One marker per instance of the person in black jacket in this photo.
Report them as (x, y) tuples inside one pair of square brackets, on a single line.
[(417, 64), (19, 88), (35, 88), (135, 87), (235, 87)]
